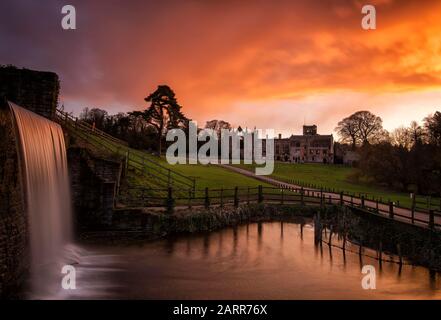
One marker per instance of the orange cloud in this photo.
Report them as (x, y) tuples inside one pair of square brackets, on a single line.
[(253, 63)]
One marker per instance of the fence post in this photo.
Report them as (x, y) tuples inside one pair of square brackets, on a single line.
[(260, 196), (207, 199), (341, 198), (170, 201), (431, 219), (248, 195), (221, 197), (127, 161), (380, 251), (236, 199), (400, 256), (391, 210), (362, 202), (376, 205), (413, 207), (281, 201), (168, 177), (301, 196), (189, 198)]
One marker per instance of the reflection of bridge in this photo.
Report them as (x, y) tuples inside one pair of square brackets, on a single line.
[(420, 217)]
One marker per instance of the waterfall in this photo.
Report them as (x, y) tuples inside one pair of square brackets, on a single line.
[(48, 202)]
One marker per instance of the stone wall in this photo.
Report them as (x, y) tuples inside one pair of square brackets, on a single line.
[(14, 253), (33, 90), (94, 181), (416, 244), (130, 224), (38, 92)]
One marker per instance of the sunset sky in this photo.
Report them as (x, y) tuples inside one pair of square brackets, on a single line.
[(270, 64)]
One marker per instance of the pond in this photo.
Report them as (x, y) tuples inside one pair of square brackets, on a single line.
[(271, 260)]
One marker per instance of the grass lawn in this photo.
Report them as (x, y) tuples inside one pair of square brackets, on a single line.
[(210, 176), (337, 177), (215, 177), (334, 177)]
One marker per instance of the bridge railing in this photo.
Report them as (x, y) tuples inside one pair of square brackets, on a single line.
[(419, 202), (170, 198), (67, 118)]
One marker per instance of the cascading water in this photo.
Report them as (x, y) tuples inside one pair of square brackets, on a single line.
[(48, 200)]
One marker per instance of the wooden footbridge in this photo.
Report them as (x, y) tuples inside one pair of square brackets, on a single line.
[(427, 218)]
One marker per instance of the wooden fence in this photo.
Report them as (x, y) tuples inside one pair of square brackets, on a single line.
[(417, 201), (134, 160), (170, 198)]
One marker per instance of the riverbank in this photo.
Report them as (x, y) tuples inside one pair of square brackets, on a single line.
[(149, 224)]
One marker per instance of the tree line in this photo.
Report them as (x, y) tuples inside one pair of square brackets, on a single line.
[(406, 159), (147, 129)]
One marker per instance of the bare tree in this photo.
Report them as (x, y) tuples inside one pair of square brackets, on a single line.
[(348, 130), (432, 124), (402, 137), (94, 116), (362, 127), (218, 125), (416, 133), (370, 126)]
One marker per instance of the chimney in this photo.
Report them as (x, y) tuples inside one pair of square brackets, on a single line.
[(280, 136)]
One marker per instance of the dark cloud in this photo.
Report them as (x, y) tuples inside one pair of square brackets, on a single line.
[(216, 54)]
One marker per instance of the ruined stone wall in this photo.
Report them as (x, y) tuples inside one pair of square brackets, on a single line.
[(33, 90), (94, 182), (38, 92), (14, 253)]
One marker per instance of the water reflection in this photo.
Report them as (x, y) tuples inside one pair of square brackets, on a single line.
[(264, 261)]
